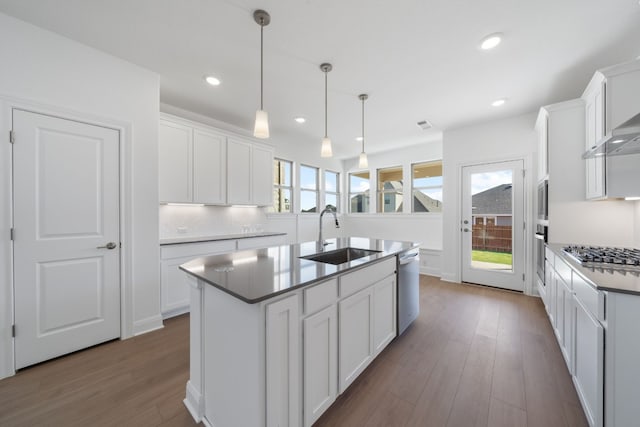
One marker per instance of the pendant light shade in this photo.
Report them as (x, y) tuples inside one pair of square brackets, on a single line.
[(363, 162), (325, 149), (261, 127)]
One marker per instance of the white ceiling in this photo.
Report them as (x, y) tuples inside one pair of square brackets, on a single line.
[(417, 59)]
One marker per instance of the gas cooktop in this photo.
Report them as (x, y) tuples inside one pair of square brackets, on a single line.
[(596, 256)]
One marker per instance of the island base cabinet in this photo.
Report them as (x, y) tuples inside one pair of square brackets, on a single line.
[(356, 336), (384, 313), (283, 353), (320, 335), (588, 367)]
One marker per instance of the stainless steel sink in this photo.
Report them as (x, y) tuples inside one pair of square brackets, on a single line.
[(340, 256)]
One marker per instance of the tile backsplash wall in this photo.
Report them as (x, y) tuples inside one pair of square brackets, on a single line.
[(183, 221)]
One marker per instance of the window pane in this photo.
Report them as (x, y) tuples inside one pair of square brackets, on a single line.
[(331, 181), (390, 179), (429, 200), (282, 172), (390, 202), (426, 170), (331, 200), (308, 201), (360, 203), (359, 182), (432, 181), (308, 177), (281, 200)]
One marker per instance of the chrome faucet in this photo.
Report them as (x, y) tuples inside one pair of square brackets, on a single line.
[(332, 211)]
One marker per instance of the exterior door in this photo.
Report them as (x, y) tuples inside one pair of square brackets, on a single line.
[(493, 225), (66, 241)]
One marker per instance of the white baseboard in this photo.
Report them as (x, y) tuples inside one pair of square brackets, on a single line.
[(431, 262), (449, 277), (147, 325), (194, 403), (175, 312)]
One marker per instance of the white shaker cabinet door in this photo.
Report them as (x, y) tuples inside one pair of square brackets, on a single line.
[(239, 172), (320, 363), (283, 361), (175, 163), (174, 290), (262, 175), (595, 128), (209, 168), (355, 336), (384, 313)]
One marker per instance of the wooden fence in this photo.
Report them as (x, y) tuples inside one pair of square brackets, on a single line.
[(494, 238)]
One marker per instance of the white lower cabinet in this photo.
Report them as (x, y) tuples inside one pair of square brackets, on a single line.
[(384, 314), (356, 336), (588, 363), (282, 358), (320, 360)]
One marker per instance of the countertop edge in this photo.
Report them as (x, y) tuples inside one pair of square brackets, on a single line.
[(194, 239)]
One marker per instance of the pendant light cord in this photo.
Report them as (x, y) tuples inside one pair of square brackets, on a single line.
[(325, 104), (261, 62), (363, 125)]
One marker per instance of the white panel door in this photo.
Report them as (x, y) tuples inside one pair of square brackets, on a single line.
[(262, 175), (175, 163), (320, 363), (66, 210), (209, 168), (492, 225), (239, 172)]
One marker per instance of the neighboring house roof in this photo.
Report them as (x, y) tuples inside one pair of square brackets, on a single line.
[(495, 201)]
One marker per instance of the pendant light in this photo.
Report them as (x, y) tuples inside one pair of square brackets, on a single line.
[(261, 128), (325, 150), (363, 163)]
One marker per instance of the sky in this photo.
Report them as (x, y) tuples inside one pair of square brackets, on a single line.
[(484, 181)]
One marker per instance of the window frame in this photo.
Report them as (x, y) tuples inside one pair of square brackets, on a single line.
[(428, 187), (352, 193), (316, 190), (335, 193), (381, 192), (285, 187)]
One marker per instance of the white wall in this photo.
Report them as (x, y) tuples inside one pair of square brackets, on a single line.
[(47, 71), (508, 139), (637, 226)]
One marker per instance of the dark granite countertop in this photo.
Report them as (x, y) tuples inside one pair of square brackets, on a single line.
[(260, 274), (194, 239), (601, 278)]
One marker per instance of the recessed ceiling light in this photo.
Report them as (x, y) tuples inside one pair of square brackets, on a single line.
[(213, 81), (498, 102), (359, 138), (491, 41), (300, 119), (617, 141)]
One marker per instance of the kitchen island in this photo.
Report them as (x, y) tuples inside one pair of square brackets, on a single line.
[(276, 336)]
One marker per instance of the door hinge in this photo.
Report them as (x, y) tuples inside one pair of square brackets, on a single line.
[(524, 172), (12, 234), (12, 137), (523, 277), (524, 225), (13, 331)]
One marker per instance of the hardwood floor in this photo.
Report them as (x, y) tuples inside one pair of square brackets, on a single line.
[(475, 357)]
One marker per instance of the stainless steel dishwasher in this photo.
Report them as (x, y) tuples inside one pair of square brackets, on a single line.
[(408, 288)]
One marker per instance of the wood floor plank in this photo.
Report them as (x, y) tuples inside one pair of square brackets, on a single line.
[(475, 356)]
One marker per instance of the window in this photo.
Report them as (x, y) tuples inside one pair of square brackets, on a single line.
[(359, 192), (308, 189), (427, 187), (282, 185), (390, 195), (332, 189)]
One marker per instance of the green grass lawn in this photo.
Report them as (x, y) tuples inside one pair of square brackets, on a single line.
[(494, 257)]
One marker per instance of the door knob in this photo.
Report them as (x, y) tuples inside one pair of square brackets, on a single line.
[(465, 222), (109, 245), (466, 230)]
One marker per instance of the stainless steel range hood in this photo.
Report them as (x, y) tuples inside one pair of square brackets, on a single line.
[(623, 140)]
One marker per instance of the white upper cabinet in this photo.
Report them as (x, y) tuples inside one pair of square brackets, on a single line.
[(200, 164), (543, 144), (611, 99), (175, 163), (250, 173)]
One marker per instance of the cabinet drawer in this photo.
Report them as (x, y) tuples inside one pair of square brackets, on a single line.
[(352, 282), (197, 249), (549, 256), (564, 271), (260, 242), (591, 298), (320, 296)]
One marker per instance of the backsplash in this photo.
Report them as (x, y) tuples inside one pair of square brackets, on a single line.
[(183, 221)]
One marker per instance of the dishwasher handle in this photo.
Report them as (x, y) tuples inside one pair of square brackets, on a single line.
[(406, 259)]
